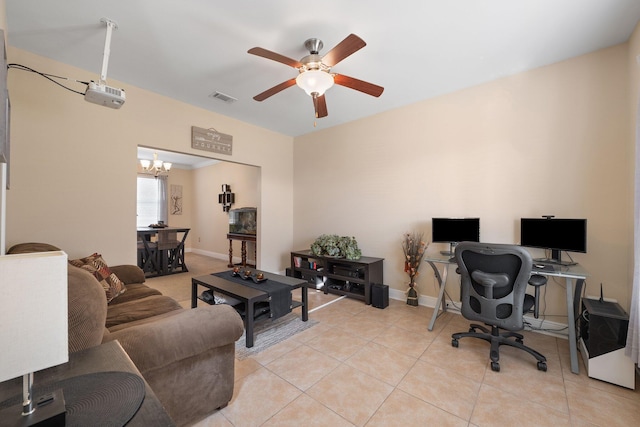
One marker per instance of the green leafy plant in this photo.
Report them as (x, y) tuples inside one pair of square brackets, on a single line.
[(336, 246)]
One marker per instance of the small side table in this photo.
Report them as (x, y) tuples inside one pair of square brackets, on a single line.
[(244, 238)]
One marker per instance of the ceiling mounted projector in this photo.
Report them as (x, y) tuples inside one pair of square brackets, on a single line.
[(104, 95), (98, 92)]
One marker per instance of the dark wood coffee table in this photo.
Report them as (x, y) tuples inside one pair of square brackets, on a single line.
[(249, 296)]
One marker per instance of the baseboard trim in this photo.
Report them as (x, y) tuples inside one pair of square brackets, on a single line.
[(236, 260)]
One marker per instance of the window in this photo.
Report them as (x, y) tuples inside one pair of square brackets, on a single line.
[(151, 200)]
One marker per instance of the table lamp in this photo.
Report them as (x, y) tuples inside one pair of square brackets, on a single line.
[(33, 331)]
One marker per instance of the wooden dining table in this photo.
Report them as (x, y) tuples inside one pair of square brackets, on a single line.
[(162, 250)]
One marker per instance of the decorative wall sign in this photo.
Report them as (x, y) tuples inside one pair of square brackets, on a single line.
[(211, 140), (226, 198), (176, 199)]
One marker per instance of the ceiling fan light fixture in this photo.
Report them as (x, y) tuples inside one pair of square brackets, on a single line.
[(315, 81)]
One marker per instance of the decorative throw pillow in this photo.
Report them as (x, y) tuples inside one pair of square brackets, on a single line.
[(100, 270)]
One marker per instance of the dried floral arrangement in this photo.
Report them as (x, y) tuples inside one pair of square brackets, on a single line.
[(414, 248)]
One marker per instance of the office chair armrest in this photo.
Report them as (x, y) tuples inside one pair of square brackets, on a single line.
[(537, 280)]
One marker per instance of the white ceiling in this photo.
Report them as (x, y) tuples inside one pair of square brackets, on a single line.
[(416, 49)]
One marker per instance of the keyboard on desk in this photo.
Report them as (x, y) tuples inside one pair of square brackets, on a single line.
[(543, 267)]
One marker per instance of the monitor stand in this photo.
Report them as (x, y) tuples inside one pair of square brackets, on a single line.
[(555, 259), (451, 251)]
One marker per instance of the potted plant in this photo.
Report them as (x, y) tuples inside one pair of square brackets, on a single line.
[(414, 248), (335, 246)]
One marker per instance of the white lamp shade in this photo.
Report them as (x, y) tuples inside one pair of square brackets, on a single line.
[(315, 81), (33, 313)]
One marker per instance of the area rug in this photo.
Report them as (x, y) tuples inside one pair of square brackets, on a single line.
[(268, 333)]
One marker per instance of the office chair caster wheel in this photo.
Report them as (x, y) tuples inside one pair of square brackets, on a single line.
[(495, 366), (542, 366), (454, 343)]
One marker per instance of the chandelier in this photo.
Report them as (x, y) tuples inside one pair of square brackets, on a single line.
[(155, 167)]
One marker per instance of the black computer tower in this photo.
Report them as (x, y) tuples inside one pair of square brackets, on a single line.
[(603, 336), (379, 295)]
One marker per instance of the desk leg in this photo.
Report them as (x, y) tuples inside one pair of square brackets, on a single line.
[(573, 350), (248, 321), (442, 282), (305, 303)]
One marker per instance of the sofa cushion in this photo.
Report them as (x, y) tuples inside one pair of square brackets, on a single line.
[(135, 291), (22, 248), (140, 309), (95, 265), (87, 309), (146, 320)]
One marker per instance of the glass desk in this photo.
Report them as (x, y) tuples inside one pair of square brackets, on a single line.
[(574, 276)]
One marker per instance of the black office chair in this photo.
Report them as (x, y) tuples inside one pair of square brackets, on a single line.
[(494, 278)]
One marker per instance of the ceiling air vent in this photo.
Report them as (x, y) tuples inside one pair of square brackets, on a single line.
[(223, 97)]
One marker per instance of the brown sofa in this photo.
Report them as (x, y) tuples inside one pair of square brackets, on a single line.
[(186, 355)]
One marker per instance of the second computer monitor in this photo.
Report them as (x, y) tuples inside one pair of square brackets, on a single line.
[(454, 231)]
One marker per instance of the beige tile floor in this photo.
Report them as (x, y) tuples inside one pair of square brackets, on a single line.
[(362, 366)]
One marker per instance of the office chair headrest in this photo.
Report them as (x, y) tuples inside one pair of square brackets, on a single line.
[(494, 280)]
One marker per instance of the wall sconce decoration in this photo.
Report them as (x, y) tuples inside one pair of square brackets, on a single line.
[(226, 198)]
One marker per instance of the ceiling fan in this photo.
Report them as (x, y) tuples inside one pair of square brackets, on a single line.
[(315, 75)]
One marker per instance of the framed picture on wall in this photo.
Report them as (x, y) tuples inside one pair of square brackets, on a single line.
[(176, 199)]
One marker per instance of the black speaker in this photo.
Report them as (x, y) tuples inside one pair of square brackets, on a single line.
[(379, 295)]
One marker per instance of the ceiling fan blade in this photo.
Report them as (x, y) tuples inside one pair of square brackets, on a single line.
[(320, 106), (359, 85), (258, 51), (346, 47), (277, 88)]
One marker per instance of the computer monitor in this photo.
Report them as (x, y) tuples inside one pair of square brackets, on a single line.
[(454, 231), (554, 234)]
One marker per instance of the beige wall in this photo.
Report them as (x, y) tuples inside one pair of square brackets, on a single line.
[(73, 164), (550, 141), (634, 70), (210, 222), (634, 124), (201, 211), (3, 14), (183, 178)]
